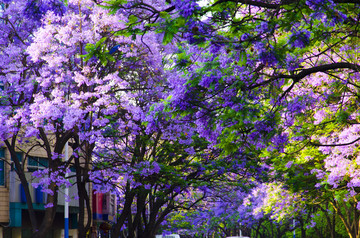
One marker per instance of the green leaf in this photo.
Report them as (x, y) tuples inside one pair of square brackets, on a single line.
[(125, 33), (102, 40), (168, 36), (89, 47), (66, 2), (103, 59), (110, 57), (179, 22), (132, 19), (152, 25), (165, 15), (342, 116), (242, 58)]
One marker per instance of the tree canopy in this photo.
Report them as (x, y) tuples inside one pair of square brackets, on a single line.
[(186, 108)]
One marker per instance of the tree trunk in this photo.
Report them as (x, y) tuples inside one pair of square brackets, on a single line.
[(140, 205), (49, 216), (82, 174), (47, 221), (84, 201), (129, 197)]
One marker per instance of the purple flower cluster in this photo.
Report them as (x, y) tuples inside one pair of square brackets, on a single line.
[(318, 5), (300, 39), (266, 54), (35, 10), (187, 8), (263, 27)]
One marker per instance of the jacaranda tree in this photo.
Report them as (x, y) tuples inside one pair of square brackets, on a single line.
[(57, 88), (274, 80), (158, 98), (18, 86)]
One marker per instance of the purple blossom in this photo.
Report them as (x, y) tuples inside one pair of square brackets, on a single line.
[(263, 27), (49, 205), (300, 39), (35, 10), (292, 62), (187, 7), (288, 164), (266, 54), (245, 36), (318, 5)]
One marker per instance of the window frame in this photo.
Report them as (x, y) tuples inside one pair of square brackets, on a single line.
[(35, 163), (3, 168)]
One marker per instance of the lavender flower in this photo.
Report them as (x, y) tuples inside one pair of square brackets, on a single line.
[(288, 164), (186, 8), (300, 39)]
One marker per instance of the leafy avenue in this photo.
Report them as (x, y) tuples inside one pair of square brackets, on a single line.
[(201, 117)]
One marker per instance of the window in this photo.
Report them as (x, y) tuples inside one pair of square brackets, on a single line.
[(19, 156), (112, 205), (36, 163), (2, 167)]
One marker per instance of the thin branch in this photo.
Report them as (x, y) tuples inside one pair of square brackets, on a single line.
[(306, 72), (275, 5), (333, 145)]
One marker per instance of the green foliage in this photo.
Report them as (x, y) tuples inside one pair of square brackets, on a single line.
[(171, 27), (66, 2), (99, 51), (113, 5), (265, 92)]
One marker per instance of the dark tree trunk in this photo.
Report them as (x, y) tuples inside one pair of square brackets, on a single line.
[(47, 221), (49, 216), (82, 173), (129, 197), (21, 174)]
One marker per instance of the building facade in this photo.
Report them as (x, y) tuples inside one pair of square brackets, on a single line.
[(14, 217)]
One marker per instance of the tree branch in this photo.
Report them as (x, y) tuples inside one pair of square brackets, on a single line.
[(275, 5), (333, 145), (306, 72)]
